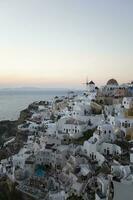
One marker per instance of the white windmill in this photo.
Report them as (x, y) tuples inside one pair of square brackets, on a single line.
[(87, 84)]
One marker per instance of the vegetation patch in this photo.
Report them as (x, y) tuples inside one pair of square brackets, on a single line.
[(86, 136), (75, 197)]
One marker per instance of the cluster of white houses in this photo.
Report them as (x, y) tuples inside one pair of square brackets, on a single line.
[(54, 131)]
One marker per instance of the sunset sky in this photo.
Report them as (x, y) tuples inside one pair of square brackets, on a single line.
[(58, 43)]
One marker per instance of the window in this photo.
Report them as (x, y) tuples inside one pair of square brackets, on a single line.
[(85, 151), (104, 132)]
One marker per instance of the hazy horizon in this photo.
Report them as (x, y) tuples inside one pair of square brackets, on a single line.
[(58, 43), (81, 86)]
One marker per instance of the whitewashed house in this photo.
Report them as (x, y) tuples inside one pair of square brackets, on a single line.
[(120, 171), (131, 156), (29, 126), (57, 196), (101, 144), (52, 155), (125, 123), (30, 165), (46, 157), (104, 133), (90, 150), (105, 188), (71, 127), (114, 121), (51, 129), (81, 109), (20, 158), (76, 188), (127, 102), (109, 149)]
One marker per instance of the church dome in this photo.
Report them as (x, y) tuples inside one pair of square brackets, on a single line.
[(112, 82)]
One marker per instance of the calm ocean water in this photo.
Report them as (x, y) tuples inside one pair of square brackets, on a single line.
[(13, 101)]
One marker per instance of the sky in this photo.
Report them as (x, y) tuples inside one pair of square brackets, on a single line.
[(58, 43)]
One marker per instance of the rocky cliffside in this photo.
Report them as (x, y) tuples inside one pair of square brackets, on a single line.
[(7, 130), (8, 191)]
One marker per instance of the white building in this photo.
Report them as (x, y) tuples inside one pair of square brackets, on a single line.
[(127, 102), (110, 88), (52, 155), (120, 171), (57, 196), (90, 149), (105, 188), (71, 127), (110, 149), (131, 155), (91, 87), (126, 123), (104, 133)]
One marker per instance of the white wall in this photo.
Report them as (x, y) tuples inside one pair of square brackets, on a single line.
[(91, 149), (127, 102), (112, 148), (131, 157)]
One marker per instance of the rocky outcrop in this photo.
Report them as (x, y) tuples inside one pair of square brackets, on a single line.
[(7, 130), (8, 191)]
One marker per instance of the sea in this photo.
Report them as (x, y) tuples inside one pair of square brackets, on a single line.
[(12, 101)]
